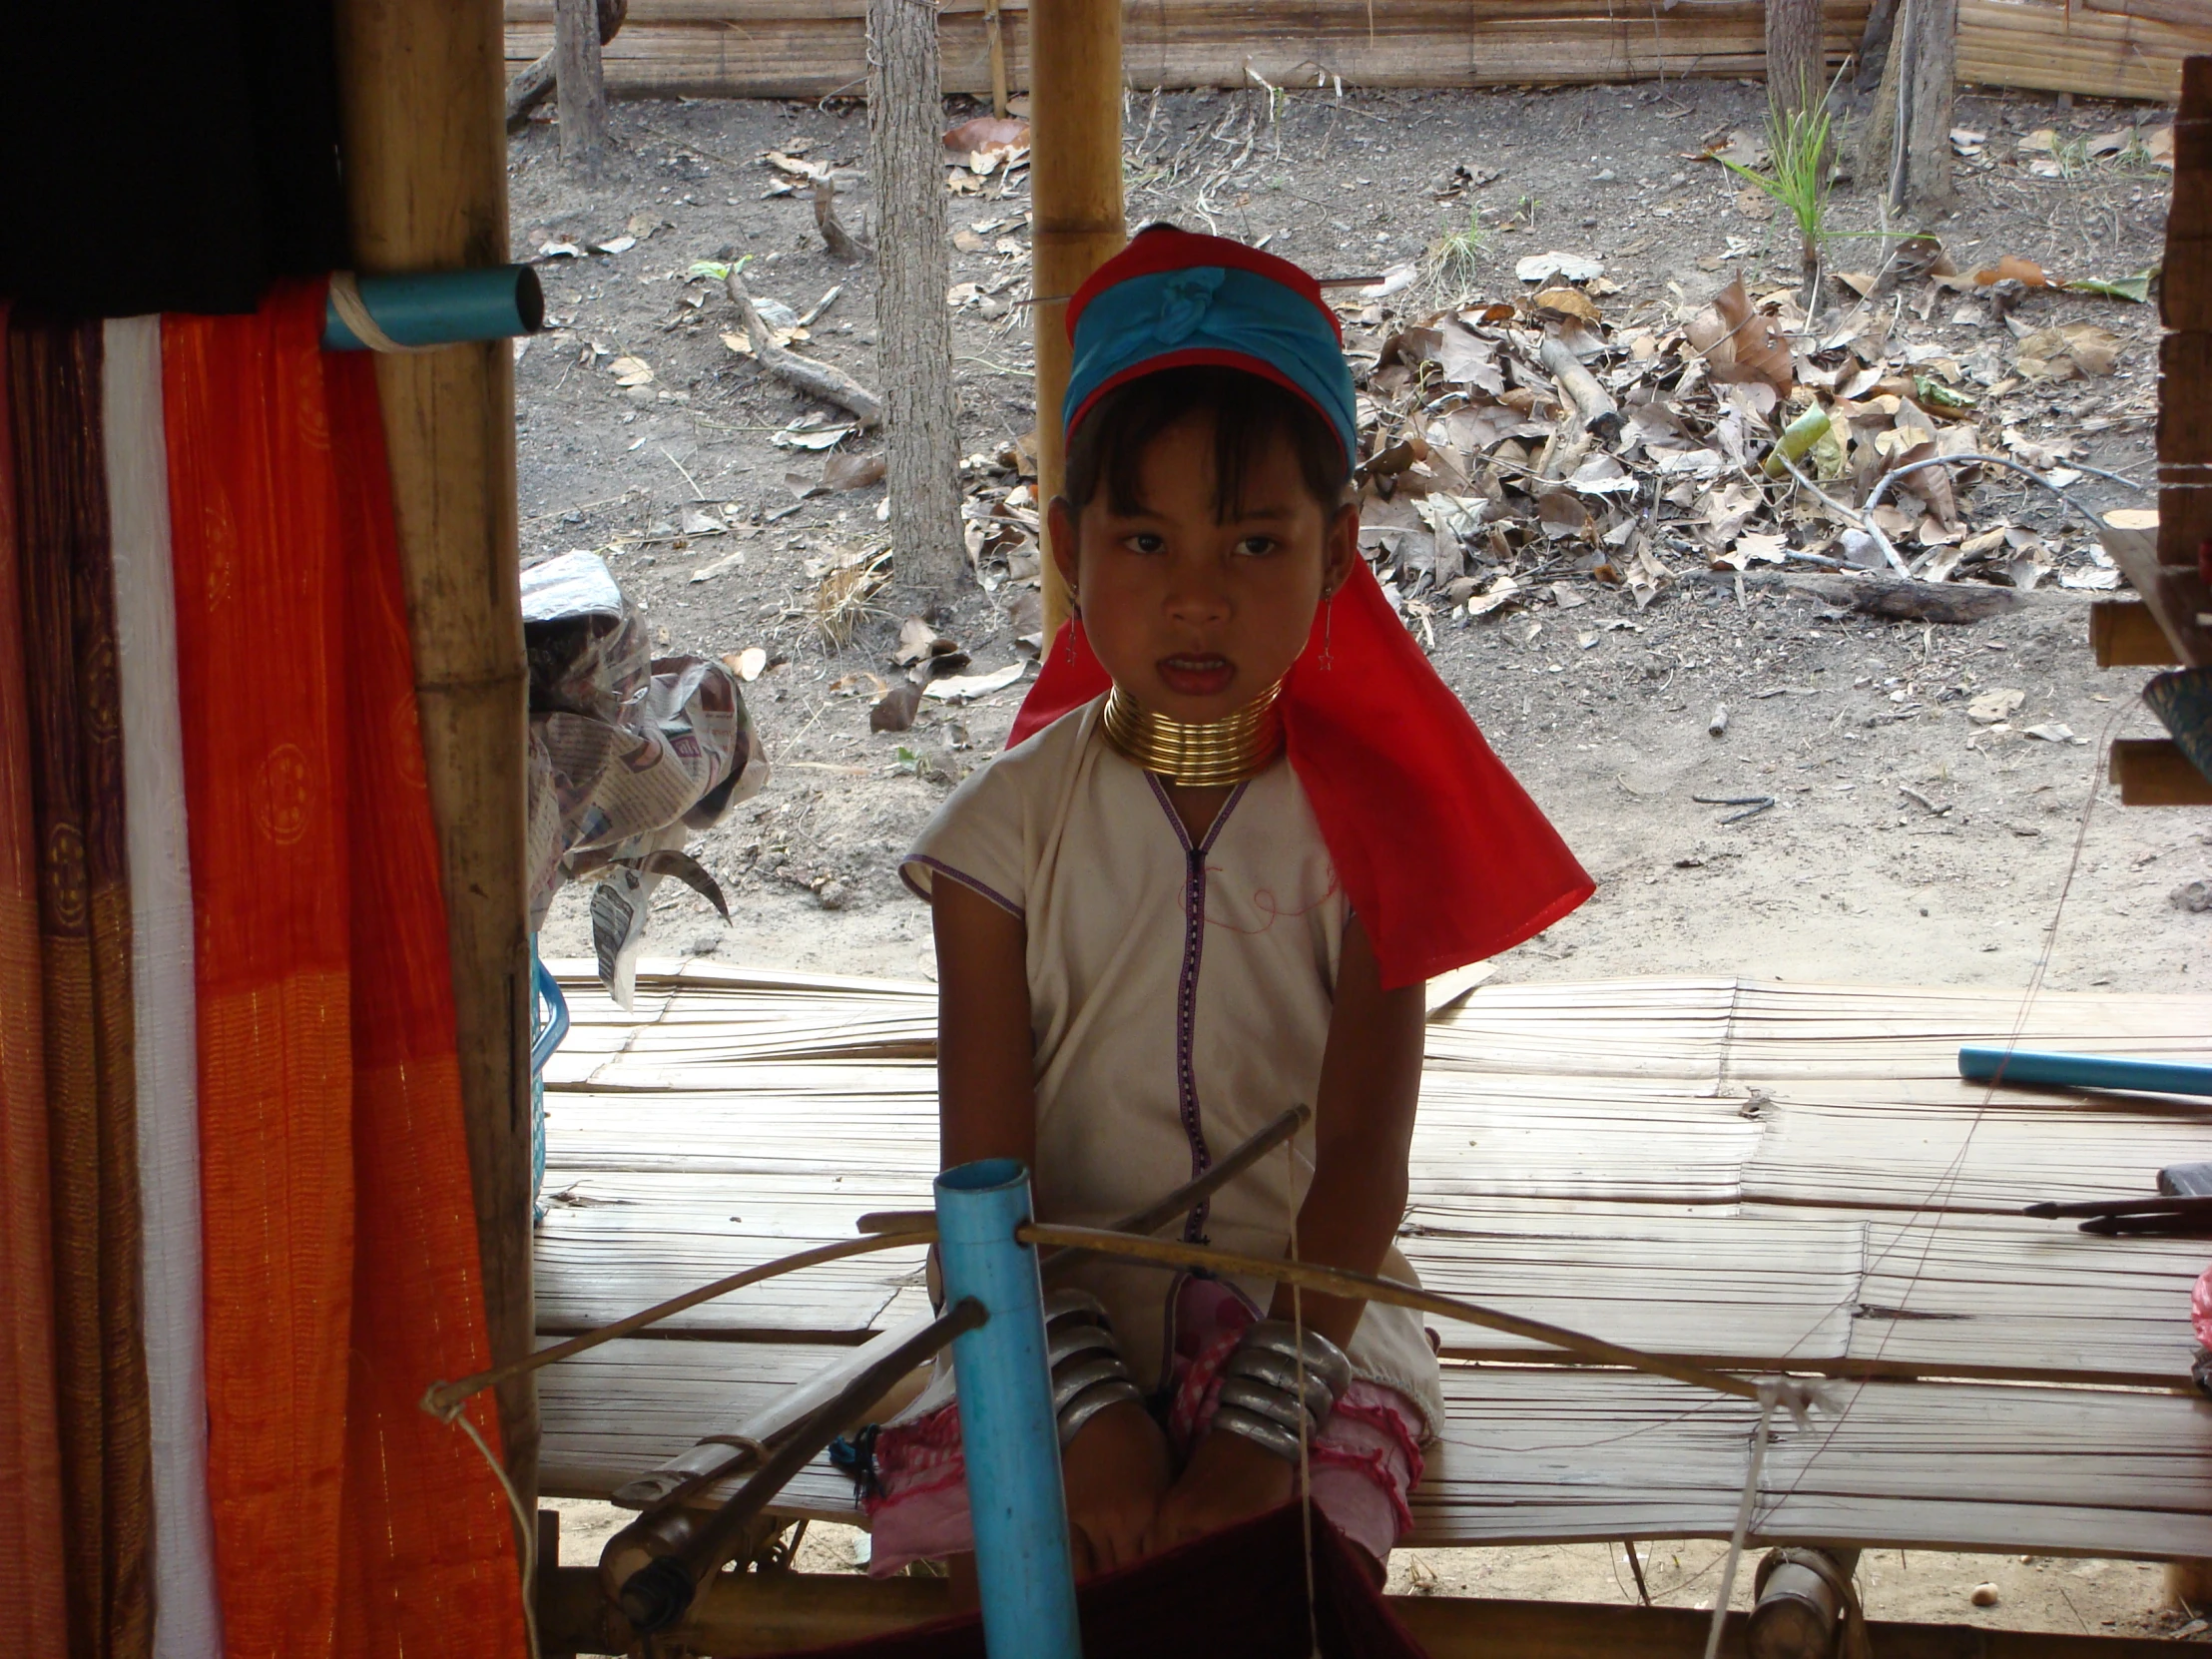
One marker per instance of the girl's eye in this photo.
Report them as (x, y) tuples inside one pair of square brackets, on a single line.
[(1143, 541), (1257, 547)]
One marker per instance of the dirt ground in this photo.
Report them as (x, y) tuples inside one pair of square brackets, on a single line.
[(1907, 843)]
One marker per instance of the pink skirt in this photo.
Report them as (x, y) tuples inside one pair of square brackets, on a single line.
[(1364, 1464)]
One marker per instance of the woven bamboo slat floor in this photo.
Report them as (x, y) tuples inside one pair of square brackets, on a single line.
[(1548, 1456), (1754, 1174)]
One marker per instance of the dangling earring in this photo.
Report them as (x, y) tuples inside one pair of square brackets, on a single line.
[(1067, 628), (1328, 630)]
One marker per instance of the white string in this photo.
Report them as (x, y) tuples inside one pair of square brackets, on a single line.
[(1770, 1391), (525, 1525), (1304, 1464)]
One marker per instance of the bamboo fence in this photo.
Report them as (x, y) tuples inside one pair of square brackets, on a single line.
[(815, 48)]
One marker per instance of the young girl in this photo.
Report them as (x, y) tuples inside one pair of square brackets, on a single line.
[(1241, 821)]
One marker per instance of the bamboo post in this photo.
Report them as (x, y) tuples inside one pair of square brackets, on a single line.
[(422, 92), (2185, 356), (1075, 202)]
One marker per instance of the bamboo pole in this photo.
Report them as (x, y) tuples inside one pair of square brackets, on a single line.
[(1075, 198), (422, 88)]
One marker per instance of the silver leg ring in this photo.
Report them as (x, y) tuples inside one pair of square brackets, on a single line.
[(1272, 1370), (1092, 1401), (1271, 1436), (1280, 1409), (1073, 1379)]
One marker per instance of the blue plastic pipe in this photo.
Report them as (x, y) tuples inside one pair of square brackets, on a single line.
[(444, 308), (2083, 1071), (1007, 1431)]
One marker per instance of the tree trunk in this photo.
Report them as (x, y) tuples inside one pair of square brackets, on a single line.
[(1796, 65), (914, 359), (1906, 138), (582, 85), (1931, 52)]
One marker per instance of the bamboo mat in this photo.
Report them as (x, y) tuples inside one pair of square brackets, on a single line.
[(1753, 1174), (1549, 1455)]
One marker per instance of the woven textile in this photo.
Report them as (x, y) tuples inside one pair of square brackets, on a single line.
[(342, 1267), (31, 1523), (68, 616), (186, 1622)]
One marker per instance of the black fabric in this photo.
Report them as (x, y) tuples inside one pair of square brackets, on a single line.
[(1240, 1594), (159, 155)]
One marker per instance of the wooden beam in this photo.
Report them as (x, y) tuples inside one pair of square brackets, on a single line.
[(423, 87), (2153, 772), (1076, 208), (2124, 634), (745, 1614)]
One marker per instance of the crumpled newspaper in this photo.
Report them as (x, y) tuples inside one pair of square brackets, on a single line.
[(629, 756)]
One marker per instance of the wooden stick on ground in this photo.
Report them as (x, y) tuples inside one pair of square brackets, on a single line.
[(843, 244), (817, 379), (529, 89), (1601, 416)]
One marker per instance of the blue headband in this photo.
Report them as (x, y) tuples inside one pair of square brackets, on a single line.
[(1211, 315)]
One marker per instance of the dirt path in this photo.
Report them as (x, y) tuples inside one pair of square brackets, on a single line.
[(1910, 841)]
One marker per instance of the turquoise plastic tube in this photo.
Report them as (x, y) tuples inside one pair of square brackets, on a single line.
[(444, 308), (1007, 1431), (2083, 1071)]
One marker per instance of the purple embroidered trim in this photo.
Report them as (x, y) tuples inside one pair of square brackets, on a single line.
[(1186, 989), (966, 881)]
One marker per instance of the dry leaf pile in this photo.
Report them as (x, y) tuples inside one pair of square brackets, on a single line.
[(1517, 451)]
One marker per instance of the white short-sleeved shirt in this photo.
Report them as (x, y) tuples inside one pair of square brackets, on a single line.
[(1180, 998)]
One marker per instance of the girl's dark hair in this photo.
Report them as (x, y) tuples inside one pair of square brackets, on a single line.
[(1249, 414)]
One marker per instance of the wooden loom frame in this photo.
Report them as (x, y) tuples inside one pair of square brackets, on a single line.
[(422, 85)]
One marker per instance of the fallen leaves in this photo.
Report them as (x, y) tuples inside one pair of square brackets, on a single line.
[(1741, 344), (2071, 349)]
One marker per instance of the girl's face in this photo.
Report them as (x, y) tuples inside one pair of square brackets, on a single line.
[(1194, 617)]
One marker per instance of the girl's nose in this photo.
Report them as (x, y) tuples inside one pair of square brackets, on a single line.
[(1197, 596)]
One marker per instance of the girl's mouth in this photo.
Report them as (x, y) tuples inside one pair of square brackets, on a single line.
[(1204, 675)]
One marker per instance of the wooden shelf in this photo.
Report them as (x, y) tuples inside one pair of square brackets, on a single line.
[(2152, 772), (2124, 634)]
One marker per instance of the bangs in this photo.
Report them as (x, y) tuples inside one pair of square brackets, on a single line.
[(1249, 415)]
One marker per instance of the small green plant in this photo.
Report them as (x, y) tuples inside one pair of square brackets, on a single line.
[(1455, 259), (1796, 176)]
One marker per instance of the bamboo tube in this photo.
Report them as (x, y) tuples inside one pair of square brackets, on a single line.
[(422, 91), (1365, 1287), (1075, 194)]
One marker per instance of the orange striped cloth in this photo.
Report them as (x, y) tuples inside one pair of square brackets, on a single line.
[(342, 1266), (31, 1526)]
